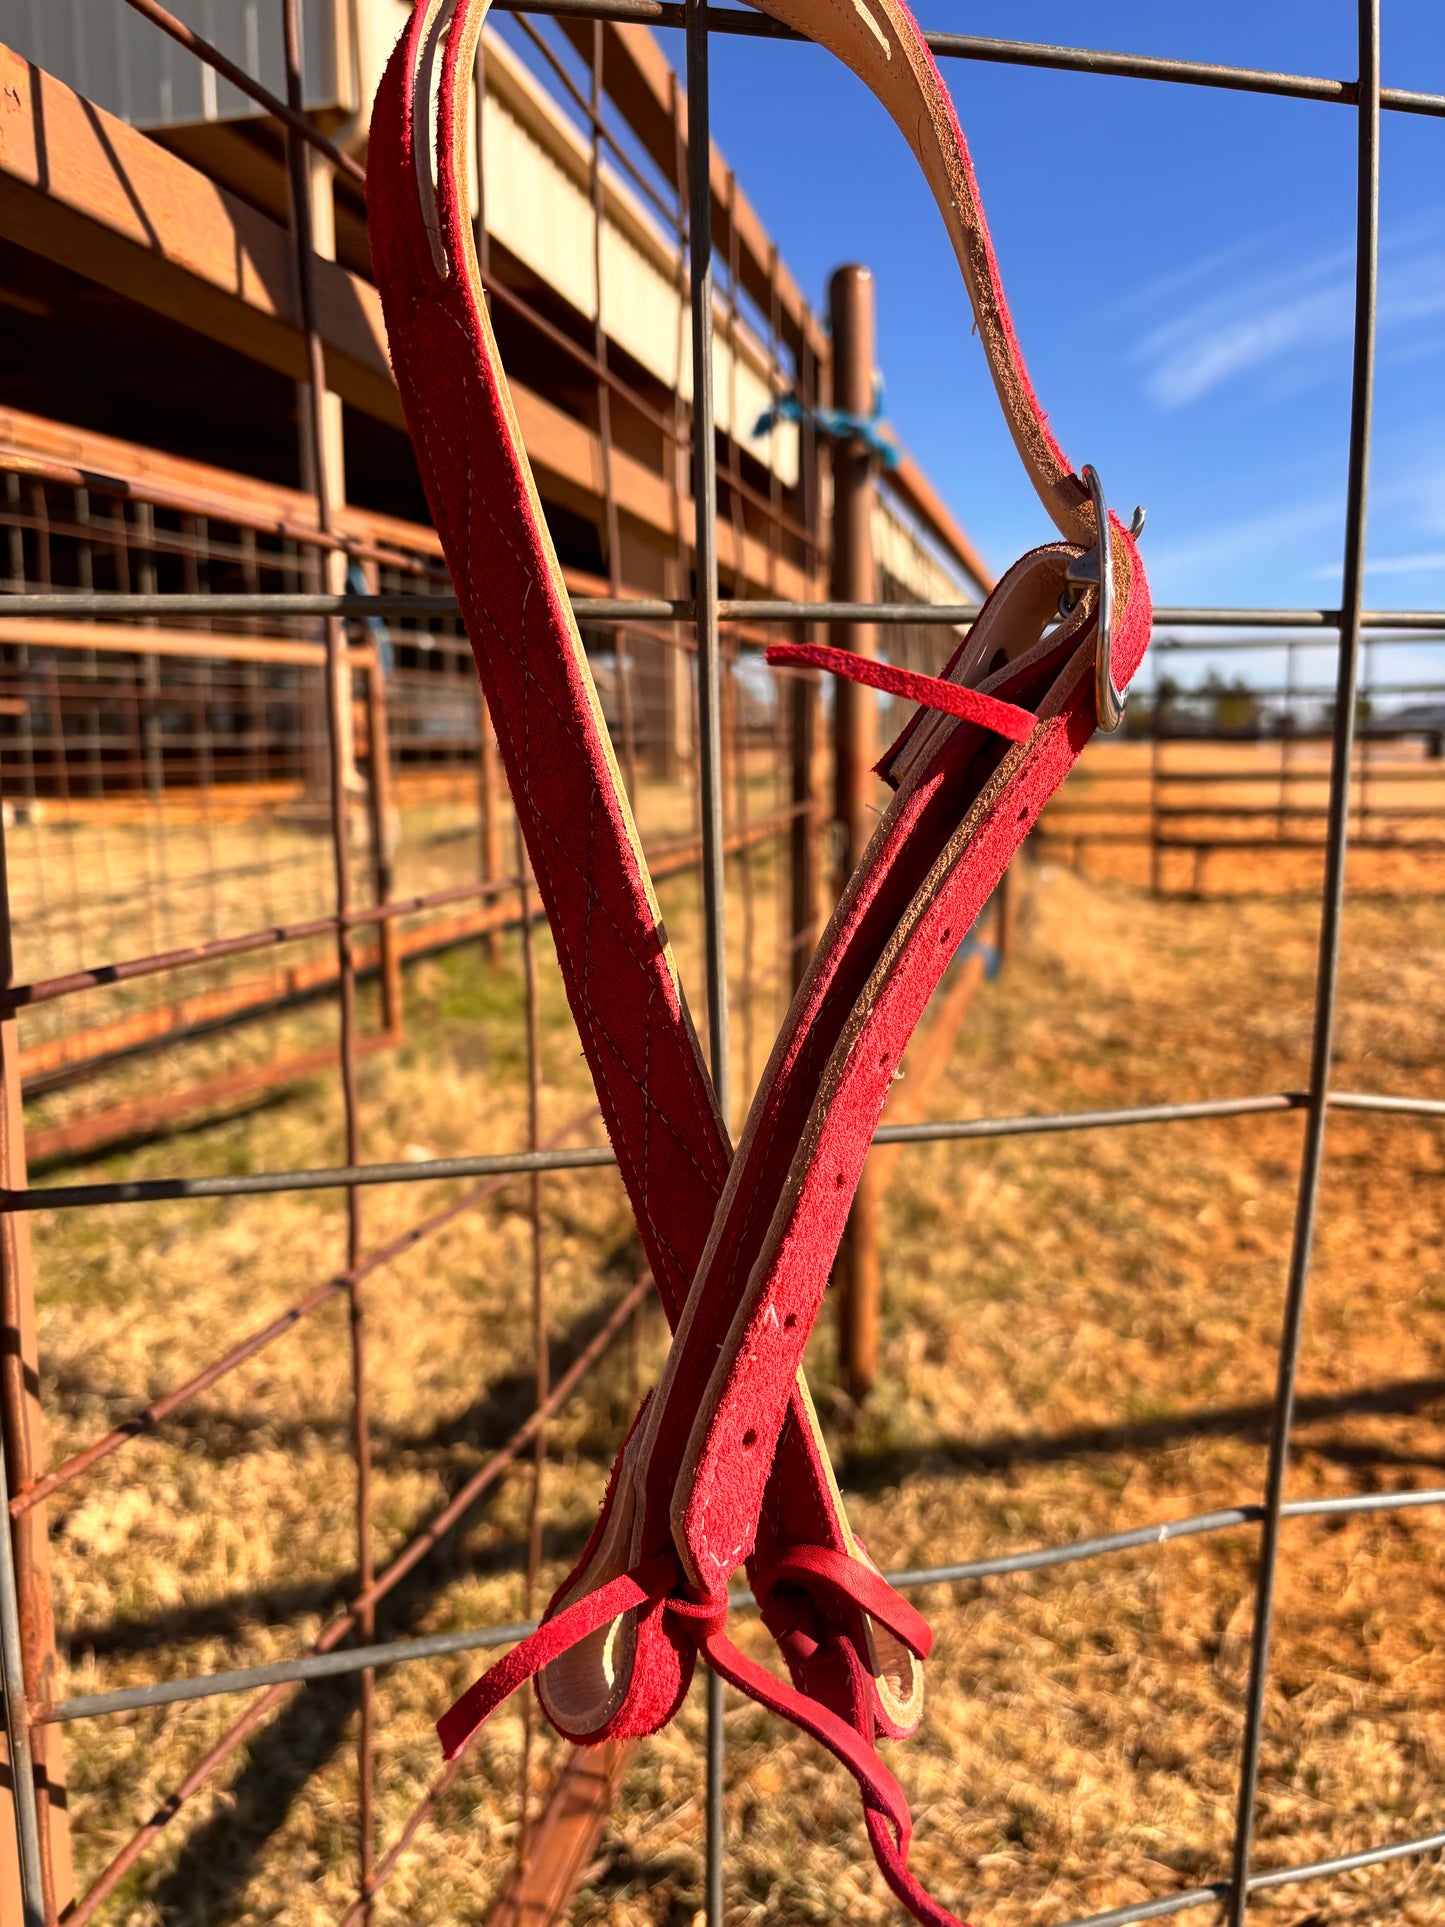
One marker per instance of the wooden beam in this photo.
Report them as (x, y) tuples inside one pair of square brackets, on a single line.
[(564, 452), (913, 488), (33, 443), (84, 190), (114, 638)]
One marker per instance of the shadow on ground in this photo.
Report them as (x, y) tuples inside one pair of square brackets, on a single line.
[(211, 1873)]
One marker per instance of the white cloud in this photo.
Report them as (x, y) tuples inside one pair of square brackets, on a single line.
[(1404, 564), (1205, 271), (1227, 544), (1388, 565), (1219, 339), (1291, 323)]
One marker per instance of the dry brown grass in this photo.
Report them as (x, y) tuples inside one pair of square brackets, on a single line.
[(1078, 1336)]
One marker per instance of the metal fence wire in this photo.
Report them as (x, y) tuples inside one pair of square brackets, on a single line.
[(31, 1711)]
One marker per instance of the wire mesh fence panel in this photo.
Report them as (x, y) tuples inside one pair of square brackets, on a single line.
[(225, 833)]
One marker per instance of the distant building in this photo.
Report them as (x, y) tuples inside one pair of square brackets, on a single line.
[(149, 302)]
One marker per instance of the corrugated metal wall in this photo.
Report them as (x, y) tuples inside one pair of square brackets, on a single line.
[(122, 63)]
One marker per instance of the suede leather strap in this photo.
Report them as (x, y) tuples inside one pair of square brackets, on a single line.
[(725, 1463), (809, 1567), (656, 1583), (618, 970)]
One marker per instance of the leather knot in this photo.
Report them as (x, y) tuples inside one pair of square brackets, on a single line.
[(831, 1583), (704, 1618)]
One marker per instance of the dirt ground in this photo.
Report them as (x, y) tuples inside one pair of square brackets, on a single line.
[(1078, 1337)]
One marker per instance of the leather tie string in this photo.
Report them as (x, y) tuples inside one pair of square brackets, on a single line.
[(1015, 725), (703, 1621)]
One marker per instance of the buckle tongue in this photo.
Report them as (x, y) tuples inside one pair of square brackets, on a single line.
[(1095, 568)]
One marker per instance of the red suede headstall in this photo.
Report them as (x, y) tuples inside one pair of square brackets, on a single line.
[(724, 1465)]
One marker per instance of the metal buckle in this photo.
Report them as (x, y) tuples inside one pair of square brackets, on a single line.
[(1095, 567)]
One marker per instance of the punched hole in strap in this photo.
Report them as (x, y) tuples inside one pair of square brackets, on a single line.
[(933, 692)]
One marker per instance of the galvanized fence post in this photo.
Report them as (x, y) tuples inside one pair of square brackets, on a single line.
[(709, 693)]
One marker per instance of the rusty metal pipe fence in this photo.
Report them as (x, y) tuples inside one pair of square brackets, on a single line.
[(1238, 764), (32, 1710)]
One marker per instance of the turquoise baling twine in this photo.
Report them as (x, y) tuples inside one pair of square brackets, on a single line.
[(357, 584), (837, 424), (973, 946)]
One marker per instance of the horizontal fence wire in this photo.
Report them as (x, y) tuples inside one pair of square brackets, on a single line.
[(1223, 1890), (905, 1579), (625, 609), (1012, 53), (506, 1163)]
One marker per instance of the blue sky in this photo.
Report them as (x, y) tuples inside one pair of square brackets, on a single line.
[(1202, 360)]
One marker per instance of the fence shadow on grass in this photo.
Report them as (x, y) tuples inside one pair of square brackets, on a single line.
[(208, 1881), (867, 1471), (210, 1876)]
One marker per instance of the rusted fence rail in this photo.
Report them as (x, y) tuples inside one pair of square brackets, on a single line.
[(1221, 785)]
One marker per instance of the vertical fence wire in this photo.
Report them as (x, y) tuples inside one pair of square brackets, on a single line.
[(300, 165), (709, 702), (540, 1358), (612, 528), (1367, 208), (734, 693)]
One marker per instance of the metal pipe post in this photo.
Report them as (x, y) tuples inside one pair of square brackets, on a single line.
[(802, 698), (805, 698), (27, 1547), (1367, 217), (851, 299)]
